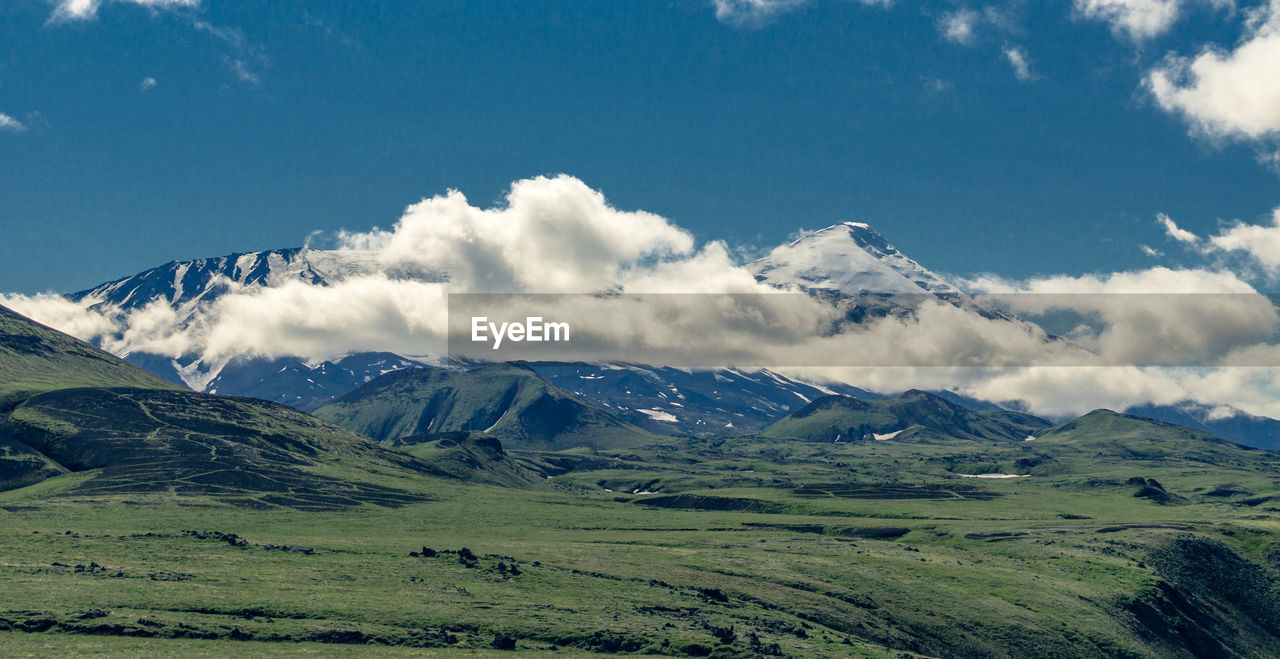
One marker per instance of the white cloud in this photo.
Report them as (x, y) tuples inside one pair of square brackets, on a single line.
[(1228, 94), (755, 13), (960, 26), (1175, 232), (1150, 251), (240, 69), (83, 10), (557, 235), (1155, 316), (62, 314), (146, 83), (1138, 20), (1017, 58), (11, 125), (1259, 242)]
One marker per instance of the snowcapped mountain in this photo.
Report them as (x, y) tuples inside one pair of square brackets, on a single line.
[(184, 283), (848, 259)]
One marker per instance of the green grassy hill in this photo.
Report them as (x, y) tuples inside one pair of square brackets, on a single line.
[(106, 427), (244, 450), (509, 401), (913, 416), (1101, 440), (474, 457), (35, 358), (152, 521)]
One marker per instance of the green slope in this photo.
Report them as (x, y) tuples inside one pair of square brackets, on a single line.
[(1103, 437), (248, 451), (71, 409), (913, 416), (35, 358), (474, 457), (509, 401)]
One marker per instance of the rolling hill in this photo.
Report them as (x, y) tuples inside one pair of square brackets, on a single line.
[(509, 401), (913, 416), (474, 457), (35, 358), (71, 408)]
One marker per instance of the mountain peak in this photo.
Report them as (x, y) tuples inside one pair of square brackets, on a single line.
[(849, 258)]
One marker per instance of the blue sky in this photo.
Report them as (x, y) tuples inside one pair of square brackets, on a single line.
[(134, 132)]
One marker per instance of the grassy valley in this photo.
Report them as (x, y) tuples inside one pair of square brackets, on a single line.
[(160, 521)]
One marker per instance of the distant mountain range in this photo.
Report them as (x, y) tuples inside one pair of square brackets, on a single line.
[(848, 260), (73, 410)]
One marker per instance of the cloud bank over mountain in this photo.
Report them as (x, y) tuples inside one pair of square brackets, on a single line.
[(387, 290)]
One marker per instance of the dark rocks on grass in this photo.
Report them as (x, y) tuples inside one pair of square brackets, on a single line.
[(760, 648), (36, 625), (713, 595), (1154, 494), (503, 642), (92, 614), (293, 549), (441, 636), (229, 538), (339, 636), (113, 630), (1226, 490), (170, 576), (725, 635)]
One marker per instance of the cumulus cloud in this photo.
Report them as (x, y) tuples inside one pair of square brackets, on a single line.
[(83, 10), (1175, 232), (960, 26), (551, 236), (1155, 316), (146, 83), (1261, 243), (1258, 244), (63, 314), (1017, 58), (1137, 20), (755, 13), (11, 125), (637, 287), (1228, 93)]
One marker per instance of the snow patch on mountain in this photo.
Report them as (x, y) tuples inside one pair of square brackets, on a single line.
[(850, 259)]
